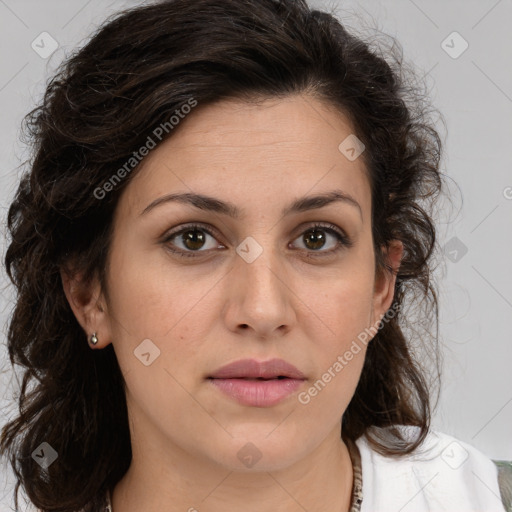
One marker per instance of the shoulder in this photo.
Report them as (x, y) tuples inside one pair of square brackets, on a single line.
[(443, 474)]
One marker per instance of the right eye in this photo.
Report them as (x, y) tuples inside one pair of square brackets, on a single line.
[(192, 239)]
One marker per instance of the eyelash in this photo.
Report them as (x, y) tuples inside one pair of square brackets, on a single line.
[(343, 240)]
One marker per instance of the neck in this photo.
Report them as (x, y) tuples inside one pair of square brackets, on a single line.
[(177, 481)]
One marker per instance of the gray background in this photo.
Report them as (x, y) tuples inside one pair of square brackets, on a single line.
[(474, 94)]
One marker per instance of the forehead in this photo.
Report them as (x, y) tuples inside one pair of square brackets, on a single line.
[(277, 148), (295, 122)]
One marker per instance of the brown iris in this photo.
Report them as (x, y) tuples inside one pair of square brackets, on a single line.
[(193, 237), (317, 238)]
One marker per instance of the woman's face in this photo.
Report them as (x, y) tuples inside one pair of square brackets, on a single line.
[(261, 285)]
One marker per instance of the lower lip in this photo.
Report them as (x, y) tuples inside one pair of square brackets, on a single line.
[(258, 393)]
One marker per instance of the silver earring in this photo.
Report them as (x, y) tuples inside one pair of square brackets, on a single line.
[(93, 338)]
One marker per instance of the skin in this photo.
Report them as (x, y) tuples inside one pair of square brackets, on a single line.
[(206, 311)]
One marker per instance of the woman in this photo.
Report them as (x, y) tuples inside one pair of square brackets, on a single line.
[(216, 249)]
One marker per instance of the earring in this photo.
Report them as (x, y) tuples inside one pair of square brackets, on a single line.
[(93, 339)]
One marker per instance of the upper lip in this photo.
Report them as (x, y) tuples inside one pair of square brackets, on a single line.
[(253, 369)]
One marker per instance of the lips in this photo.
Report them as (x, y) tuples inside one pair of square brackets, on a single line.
[(258, 384), (252, 369)]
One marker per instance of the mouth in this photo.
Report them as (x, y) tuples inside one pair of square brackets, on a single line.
[(279, 377), (253, 369), (257, 384), (257, 392)]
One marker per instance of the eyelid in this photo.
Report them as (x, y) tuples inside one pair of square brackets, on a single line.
[(191, 226)]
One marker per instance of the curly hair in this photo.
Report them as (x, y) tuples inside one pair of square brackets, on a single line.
[(137, 69)]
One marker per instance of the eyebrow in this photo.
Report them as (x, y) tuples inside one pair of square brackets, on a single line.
[(212, 204)]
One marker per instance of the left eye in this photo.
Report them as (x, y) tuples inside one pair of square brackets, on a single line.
[(193, 236), (314, 238), (193, 239)]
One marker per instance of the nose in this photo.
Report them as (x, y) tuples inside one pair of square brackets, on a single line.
[(260, 295)]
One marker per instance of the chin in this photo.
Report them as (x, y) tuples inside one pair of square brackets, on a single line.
[(257, 451)]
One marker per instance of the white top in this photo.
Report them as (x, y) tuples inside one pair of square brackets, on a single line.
[(444, 474)]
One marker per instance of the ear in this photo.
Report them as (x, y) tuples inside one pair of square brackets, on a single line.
[(89, 306), (384, 288)]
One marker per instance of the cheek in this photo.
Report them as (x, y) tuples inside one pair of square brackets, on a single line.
[(328, 395), (340, 296), (339, 354), (151, 300), (337, 322), (150, 296), (339, 309)]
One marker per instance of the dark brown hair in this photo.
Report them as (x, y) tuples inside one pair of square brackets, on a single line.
[(103, 103)]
